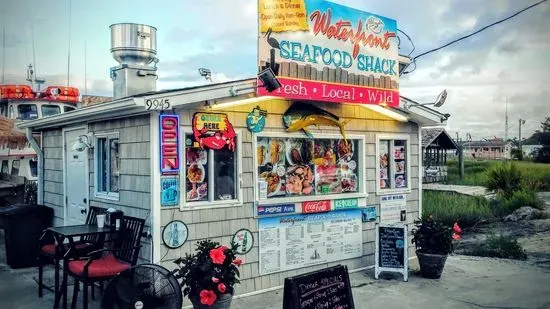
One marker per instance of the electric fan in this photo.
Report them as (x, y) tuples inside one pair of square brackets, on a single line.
[(145, 286)]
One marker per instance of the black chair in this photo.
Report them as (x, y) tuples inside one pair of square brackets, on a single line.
[(102, 265), (52, 254)]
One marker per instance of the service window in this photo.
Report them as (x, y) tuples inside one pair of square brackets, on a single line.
[(15, 167), (50, 110), (300, 169), (27, 111), (5, 167), (107, 167), (393, 168), (212, 177)]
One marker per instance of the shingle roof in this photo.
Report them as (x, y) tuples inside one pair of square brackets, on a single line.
[(437, 137), (493, 143)]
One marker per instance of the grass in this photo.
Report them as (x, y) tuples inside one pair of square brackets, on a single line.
[(501, 246), (504, 206), (536, 175), (450, 207)]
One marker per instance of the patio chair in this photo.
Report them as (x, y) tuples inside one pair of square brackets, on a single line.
[(51, 254), (102, 265)]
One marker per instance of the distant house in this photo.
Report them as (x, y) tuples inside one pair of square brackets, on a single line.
[(436, 144), (490, 149)]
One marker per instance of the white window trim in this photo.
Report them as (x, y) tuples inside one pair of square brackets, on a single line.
[(392, 137), (362, 175), (187, 206), (113, 196)]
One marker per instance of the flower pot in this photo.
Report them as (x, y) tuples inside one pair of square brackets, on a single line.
[(222, 302), (431, 265)]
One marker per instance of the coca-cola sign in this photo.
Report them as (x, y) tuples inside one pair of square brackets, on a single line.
[(315, 206)]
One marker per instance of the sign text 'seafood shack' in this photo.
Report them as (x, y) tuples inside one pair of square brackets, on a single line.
[(169, 144), (323, 51)]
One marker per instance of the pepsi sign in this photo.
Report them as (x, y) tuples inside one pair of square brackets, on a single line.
[(276, 209)]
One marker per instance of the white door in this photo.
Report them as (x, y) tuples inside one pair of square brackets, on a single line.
[(76, 182)]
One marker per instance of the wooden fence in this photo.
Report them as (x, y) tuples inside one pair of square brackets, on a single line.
[(338, 75)]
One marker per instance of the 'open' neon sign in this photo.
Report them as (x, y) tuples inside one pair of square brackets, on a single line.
[(169, 144)]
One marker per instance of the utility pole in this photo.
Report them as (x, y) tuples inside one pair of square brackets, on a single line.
[(506, 121), (521, 122)]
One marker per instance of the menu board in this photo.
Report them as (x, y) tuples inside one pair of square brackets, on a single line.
[(391, 249), (297, 241), (305, 166), (326, 288)]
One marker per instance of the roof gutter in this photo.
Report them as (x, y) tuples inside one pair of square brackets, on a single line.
[(40, 166)]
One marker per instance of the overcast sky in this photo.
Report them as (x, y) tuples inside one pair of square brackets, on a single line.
[(511, 60)]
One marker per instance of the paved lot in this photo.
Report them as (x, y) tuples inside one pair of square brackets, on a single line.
[(467, 282), (467, 190)]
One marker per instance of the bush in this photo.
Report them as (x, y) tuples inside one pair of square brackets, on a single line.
[(506, 205), (451, 207), (504, 247), (504, 178)]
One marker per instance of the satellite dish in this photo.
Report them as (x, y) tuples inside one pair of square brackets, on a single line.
[(441, 98)]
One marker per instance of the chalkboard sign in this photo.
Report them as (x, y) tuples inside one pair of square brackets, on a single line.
[(327, 288), (391, 250)]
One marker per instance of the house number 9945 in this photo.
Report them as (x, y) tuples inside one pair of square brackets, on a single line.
[(157, 104)]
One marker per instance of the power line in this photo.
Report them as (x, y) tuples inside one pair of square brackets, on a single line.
[(480, 30)]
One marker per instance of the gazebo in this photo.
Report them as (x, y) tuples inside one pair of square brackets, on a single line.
[(436, 142)]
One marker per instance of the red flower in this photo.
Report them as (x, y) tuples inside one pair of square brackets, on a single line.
[(456, 236), (217, 256), (208, 297), (457, 228), (221, 288), (215, 280), (238, 262)]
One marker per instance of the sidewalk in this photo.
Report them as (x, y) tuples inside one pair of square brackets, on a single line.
[(467, 282), (467, 190)]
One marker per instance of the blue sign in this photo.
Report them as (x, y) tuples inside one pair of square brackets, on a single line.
[(369, 214), (256, 120), (170, 191), (276, 209)]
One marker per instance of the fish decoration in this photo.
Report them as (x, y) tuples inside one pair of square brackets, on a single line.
[(300, 116)]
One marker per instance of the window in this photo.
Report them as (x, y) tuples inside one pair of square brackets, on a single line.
[(33, 167), (5, 167), (107, 166), (393, 164), (211, 176), (50, 110), (68, 109), (27, 111), (4, 109), (15, 167), (306, 168)]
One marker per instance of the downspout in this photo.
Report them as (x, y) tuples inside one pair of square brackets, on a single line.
[(40, 166), (420, 170)]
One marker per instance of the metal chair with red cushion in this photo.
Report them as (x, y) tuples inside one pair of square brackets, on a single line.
[(50, 253), (104, 264)]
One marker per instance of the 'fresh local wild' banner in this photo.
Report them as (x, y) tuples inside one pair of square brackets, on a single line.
[(323, 51)]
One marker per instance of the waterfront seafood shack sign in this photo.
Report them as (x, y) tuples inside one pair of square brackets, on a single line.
[(323, 51), (169, 144), (214, 131)]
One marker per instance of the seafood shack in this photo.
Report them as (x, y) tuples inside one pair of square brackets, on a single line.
[(296, 165)]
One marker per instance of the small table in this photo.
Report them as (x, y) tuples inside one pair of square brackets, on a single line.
[(61, 233)]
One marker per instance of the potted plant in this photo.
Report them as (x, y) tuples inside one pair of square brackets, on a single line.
[(208, 276), (434, 242)]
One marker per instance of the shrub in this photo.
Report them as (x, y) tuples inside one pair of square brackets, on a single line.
[(451, 207), (504, 178), (506, 205), (501, 246)]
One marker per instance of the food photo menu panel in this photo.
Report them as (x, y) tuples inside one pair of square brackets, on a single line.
[(392, 164), (305, 166)]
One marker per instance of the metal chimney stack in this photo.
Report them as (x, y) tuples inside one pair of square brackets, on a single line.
[(134, 47)]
